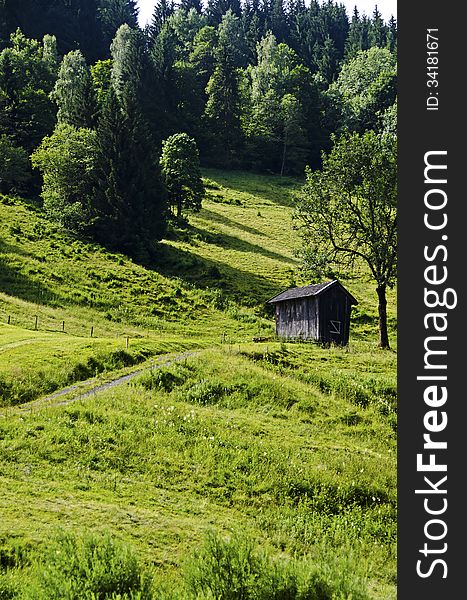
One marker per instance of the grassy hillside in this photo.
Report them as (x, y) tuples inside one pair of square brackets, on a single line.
[(243, 234), (269, 468)]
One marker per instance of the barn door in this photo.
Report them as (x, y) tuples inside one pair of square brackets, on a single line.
[(335, 327)]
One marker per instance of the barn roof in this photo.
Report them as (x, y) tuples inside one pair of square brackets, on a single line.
[(315, 289)]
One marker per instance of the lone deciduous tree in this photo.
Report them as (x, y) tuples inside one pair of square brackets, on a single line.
[(67, 160), (347, 212), (181, 173)]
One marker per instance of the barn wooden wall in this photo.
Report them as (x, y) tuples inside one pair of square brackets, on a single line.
[(298, 318), (324, 318)]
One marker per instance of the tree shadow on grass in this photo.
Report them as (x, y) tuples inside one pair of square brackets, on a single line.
[(14, 283), (6, 248), (246, 288), (213, 216), (223, 240), (272, 188), (19, 285)]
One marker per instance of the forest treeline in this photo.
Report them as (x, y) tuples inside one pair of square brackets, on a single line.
[(259, 85)]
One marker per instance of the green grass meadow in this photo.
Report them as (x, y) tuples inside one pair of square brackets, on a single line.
[(246, 470)]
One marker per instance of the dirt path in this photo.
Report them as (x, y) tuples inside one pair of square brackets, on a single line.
[(51, 400)]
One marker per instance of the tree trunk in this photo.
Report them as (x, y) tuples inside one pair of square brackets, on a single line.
[(383, 319), (179, 208), (284, 152)]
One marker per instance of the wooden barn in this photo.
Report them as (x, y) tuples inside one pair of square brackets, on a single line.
[(320, 312)]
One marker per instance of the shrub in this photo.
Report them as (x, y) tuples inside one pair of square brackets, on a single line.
[(15, 170), (5, 388), (234, 569), (226, 569), (206, 392), (209, 184), (12, 556), (8, 590), (92, 567), (162, 379)]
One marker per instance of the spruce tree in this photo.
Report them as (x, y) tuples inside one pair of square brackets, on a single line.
[(131, 198), (90, 39), (223, 106), (187, 5), (113, 14), (353, 43), (295, 8), (130, 203), (378, 30), (217, 9), (202, 55), (160, 15), (112, 209), (253, 26), (335, 25), (135, 79), (326, 60), (164, 98), (279, 20), (391, 37), (365, 32)]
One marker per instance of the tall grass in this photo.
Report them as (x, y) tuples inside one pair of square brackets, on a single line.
[(85, 567), (100, 567), (235, 568)]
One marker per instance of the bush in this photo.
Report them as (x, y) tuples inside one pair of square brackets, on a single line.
[(209, 184), (15, 170), (92, 567), (8, 590), (12, 556), (234, 569), (206, 392), (224, 569), (163, 379)]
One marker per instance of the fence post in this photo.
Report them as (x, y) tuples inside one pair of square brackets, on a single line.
[(63, 325), (9, 316), (35, 325), (92, 330), (127, 341)]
